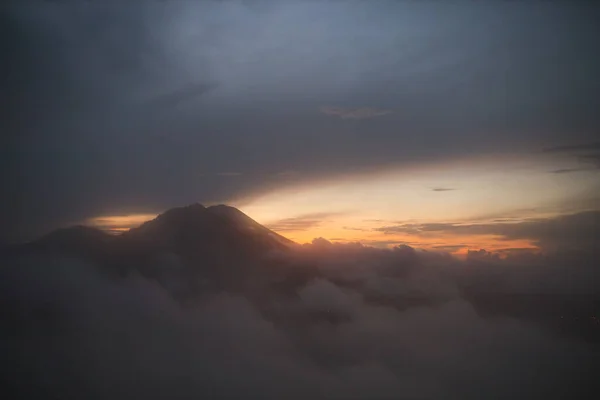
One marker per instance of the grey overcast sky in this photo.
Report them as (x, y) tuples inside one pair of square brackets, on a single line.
[(112, 107)]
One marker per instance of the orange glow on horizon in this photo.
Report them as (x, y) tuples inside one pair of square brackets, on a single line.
[(490, 190), (454, 244), (361, 207), (119, 222), (337, 231), (365, 228)]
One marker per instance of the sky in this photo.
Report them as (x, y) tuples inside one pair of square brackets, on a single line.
[(442, 125)]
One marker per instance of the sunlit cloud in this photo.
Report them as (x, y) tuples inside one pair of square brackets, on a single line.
[(350, 228), (119, 223), (301, 223), (495, 188), (445, 247)]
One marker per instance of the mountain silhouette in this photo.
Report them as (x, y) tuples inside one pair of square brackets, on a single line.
[(198, 228), (196, 251), (217, 244), (189, 229)]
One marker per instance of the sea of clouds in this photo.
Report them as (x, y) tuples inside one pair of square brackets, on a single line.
[(71, 332)]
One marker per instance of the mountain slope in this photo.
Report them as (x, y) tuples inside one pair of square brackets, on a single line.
[(218, 243), (199, 226)]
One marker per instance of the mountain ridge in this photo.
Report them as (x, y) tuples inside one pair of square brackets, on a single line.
[(193, 251), (219, 243), (195, 215), (196, 218)]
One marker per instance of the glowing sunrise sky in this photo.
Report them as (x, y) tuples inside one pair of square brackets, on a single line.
[(500, 190), (442, 125)]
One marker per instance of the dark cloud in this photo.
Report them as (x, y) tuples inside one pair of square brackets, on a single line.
[(442, 189), (568, 170), (508, 220), (574, 148), (516, 250), (356, 113), (585, 153), (581, 230), (287, 173), (110, 108), (187, 92), (229, 173), (593, 158)]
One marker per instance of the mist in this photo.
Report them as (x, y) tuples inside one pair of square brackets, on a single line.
[(72, 331)]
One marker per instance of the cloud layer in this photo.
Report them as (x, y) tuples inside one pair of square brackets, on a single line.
[(376, 324)]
